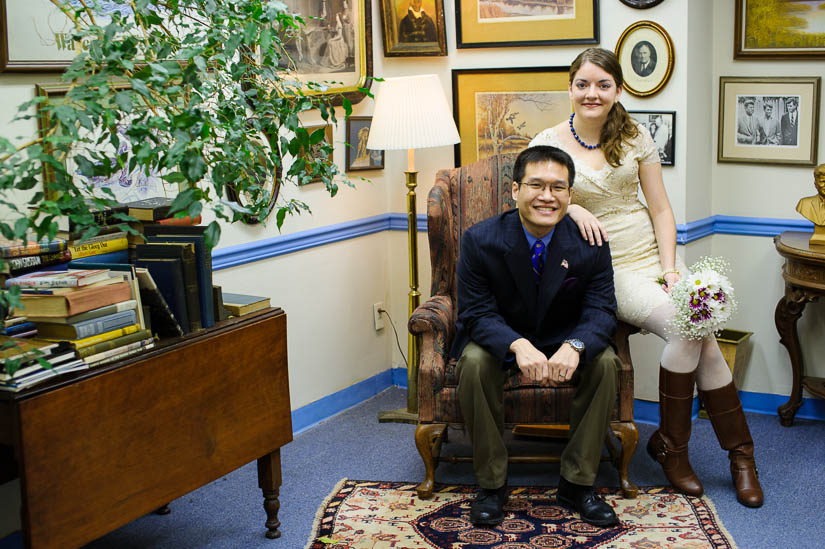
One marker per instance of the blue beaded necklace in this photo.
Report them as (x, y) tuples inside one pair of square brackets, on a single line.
[(579, 139)]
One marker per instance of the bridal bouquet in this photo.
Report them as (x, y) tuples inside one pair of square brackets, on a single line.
[(704, 299)]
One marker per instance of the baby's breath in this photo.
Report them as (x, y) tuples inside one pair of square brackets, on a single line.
[(704, 299)]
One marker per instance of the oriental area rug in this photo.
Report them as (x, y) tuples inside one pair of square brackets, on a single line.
[(377, 515)]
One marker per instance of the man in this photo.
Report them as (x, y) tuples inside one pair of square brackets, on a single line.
[(768, 127), (660, 134), (812, 208), (416, 26), (746, 125), (535, 298), (790, 122), (642, 61)]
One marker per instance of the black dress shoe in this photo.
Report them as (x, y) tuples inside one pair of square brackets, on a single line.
[(585, 501), (488, 507)]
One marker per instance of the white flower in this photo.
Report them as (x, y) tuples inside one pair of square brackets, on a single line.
[(704, 299)]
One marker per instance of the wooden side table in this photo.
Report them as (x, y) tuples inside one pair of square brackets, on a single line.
[(804, 275)]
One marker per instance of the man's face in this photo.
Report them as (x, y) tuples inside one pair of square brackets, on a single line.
[(543, 196), (791, 106), (644, 54), (416, 5), (768, 111), (749, 109), (819, 179)]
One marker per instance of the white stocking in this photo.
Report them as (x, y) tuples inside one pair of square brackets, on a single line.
[(685, 355)]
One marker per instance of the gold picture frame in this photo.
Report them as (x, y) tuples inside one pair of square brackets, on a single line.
[(501, 110), (406, 35), (788, 136), (646, 54), (776, 34), (484, 24)]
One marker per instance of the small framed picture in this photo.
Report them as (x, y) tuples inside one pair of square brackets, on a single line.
[(359, 157), (662, 128), (413, 28), (646, 54), (315, 149), (768, 120)]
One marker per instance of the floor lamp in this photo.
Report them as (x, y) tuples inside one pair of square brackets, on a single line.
[(411, 113)]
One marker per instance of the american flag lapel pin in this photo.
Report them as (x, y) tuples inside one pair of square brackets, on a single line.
[(564, 263)]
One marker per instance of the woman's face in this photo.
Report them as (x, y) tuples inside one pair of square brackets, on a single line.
[(593, 92)]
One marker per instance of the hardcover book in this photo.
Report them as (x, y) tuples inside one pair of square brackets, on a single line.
[(17, 248), (72, 303), (185, 251), (121, 341), (128, 305), (99, 245), (86, 328), (105, 336), (65, 279), (241, 304), (150, 209), (24, 349), (167, 274), (16, 266)]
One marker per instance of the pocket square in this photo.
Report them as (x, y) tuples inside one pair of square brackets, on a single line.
[(569, 283), (564, 263)]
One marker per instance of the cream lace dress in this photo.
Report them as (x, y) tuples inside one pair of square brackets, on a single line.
[(612, 195)]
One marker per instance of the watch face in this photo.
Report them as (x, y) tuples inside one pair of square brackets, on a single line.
[(576, 344)]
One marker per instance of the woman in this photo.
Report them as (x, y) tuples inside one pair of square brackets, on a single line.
[(613, 156)]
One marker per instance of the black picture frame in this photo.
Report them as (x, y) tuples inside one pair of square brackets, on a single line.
[(359, 158), (660, 121)]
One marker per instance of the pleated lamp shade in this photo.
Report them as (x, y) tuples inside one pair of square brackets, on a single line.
[(411, 112)]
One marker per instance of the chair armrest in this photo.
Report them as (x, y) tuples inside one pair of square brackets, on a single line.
[(433, 322)]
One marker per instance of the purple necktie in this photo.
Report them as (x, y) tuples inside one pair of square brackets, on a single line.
[(537, 258)]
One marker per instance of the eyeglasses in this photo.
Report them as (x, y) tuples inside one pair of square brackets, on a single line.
[(555, 188)]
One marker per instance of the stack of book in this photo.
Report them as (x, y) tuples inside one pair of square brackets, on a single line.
[(18, 326), (96, 311), (152, 211), (21, 257), (27, 362)]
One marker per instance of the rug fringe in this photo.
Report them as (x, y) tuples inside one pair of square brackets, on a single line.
[(319, 514), (724, 530)]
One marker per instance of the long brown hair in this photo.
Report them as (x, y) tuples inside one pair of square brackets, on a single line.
[(619, 127)]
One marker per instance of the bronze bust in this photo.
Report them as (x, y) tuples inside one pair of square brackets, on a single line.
[(813, 207)]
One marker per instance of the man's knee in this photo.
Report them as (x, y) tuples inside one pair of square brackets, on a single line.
[(476, 364)]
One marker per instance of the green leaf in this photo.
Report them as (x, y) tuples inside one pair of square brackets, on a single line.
[(124, 101), (212, 234), (193, 165)]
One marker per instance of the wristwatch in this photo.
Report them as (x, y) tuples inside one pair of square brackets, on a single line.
[(577, 345)]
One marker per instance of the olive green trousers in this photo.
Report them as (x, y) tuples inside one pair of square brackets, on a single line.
[(481, 394)]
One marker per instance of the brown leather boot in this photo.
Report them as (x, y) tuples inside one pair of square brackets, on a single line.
[(728, 420), (669, 443)]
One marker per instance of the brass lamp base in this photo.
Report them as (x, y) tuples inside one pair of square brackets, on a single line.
[(400, 415)]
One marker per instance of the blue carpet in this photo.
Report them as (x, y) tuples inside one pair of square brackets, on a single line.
[(229, 512)]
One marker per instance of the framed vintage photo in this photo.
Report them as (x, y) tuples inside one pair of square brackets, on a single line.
[(413, 28), (334, 48), (126, 185), (767, 29), (34, 37), (646, 54), (662, 128), (359, 157), (314, 149), (495, 24), (500, 110), (641, 4), (768, 120)]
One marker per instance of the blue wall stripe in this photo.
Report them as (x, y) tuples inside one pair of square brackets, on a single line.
[(729, 224)]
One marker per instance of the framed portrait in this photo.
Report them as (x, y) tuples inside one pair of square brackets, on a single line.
[(662, 128), (499, 111), (413, 28), (126, 185), (641, 4), (359, 157), (767, 29), (646, 54), (494, 24), (768, 120), (35, 37), (314, 150), (334, 48)]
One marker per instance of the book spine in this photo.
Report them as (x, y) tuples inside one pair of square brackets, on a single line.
[(117, 351), (113, 343), (27, 264), (97, 248), (32, 248), (105, 336), (120, 356), (181, 220), (96, 326), (18, 328), (45, 282)]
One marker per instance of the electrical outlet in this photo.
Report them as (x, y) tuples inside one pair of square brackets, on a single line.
[(377, 317)]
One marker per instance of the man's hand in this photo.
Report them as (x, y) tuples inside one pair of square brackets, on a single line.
[(563, 364), (531, 362)]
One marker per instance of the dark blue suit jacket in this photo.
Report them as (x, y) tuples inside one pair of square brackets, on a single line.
[(499, 300)]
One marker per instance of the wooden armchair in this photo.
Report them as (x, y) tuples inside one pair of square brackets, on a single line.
[(460, 198)]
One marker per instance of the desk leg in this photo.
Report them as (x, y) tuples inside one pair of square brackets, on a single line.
[(788, 311), (269, 480)]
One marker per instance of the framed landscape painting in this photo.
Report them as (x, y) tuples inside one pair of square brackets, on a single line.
[(497, 23), (500, 110), (768, 120), (776, 29)]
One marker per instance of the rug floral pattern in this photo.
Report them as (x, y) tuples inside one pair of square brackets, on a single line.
[(379, 515)]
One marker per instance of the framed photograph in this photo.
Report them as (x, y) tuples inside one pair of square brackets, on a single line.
[(767, 29), (500, 110), (662, 128), (34, 37), (495, 23), (645, 52), (641, 4), (359, 157), (334, 48), (314, 149), (413, 28), (126, 185), (768, 120)]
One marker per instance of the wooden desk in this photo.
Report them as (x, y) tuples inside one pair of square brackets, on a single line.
[(102, 448), (804, 275)]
